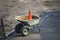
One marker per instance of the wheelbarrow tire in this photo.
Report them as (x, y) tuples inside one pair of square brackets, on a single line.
[(25, 31), (18, 27)]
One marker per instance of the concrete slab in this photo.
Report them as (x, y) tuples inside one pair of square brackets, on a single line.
[(34, 36)]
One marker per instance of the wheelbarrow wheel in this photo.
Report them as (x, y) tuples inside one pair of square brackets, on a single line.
[(25, 31), (18, 28)]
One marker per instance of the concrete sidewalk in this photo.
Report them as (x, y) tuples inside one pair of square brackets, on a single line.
[(32, 36)]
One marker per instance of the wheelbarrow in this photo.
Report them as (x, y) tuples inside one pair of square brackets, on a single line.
[(24, 25)]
